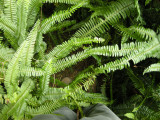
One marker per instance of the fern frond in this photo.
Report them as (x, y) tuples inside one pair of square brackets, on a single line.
[(9, 109), (31, 42), (146, 113), (13, 69), (58, 17), (81, 78), (112, 66), (138, 83), (93, 28), (22, 11), (64, 49), (152, 68), (30, 71), (148, 50), (137, 32), (45, 108), (9, 29), (63, 1), (62, 25), (7, 26), (40, 45), (116, 11), (19, 113), (106, 51), (33, 9), (60, 65), (10, 10), (112, 51), (84, 98), (24, 52), (44, 81), (54, 94)]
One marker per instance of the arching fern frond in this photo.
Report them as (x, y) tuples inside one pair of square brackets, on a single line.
[(59, 16), (64, 49), (31, 43), (146, 51), (152, 68), (68, 61), (93, 28), (24, 55), (115, 11), (139, 51), (13, 69)]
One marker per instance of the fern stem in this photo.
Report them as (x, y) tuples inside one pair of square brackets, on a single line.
[(137, 108), (79, 107)]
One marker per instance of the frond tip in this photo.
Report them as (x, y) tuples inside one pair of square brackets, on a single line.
[(152, 68)]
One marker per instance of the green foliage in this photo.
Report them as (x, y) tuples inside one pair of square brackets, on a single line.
[(27, 65), (111, 14), (153, 67)]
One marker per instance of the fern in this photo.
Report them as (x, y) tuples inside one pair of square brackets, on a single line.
[(58, 17), (45, 108), (31, 42), (115, 11), (147, 113), (7, 25), (17, 100), (22, 11), (33, 9), (27, 65), (138, 83), (10, 10), (152, 68), (6, 53), (62, 25), (13, 69), (63, 50), (137, 32), (44, 82)]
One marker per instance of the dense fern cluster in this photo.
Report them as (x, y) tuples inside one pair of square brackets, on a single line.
[(27, 66)]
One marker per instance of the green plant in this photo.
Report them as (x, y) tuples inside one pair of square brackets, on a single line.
[(26, 69)]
